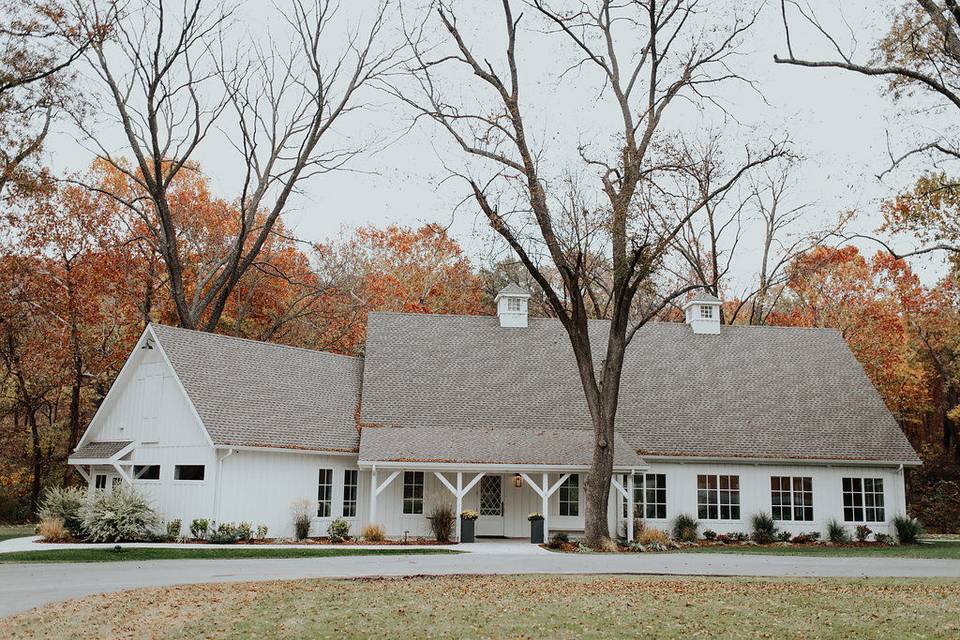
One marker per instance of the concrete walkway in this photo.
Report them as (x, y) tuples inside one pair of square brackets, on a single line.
[(24, 586)]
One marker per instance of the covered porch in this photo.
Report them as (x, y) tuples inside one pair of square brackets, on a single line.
[(503, 474)]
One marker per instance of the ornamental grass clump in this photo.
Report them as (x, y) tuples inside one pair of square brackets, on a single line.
[(374, 533), (764, 528), (651, 535), (442, 521), (64, 504), (301, 510), (121, 515), (908, 529), (837, 533), (53, 530), (685, 528)]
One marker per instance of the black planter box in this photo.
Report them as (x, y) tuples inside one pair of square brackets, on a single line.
[(536, 531), (467, 528)]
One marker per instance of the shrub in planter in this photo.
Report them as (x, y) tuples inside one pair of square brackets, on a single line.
[(908, 529), (225, 533), (244, 531), (784, 536), (468, 525), (862, 532), (442, 521), (199, 528), (837, 533), (122, 515), (764, 528), (374, 533), (64, 504), (301, 511), (536, 527), (53, 530), (338, 530), (709, 534), (262, 530), (469, 514), (685, 528)]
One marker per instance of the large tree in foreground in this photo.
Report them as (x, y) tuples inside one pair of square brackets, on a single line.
[(643, 60)]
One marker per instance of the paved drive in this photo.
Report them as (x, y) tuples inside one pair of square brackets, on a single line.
[(24, 586)]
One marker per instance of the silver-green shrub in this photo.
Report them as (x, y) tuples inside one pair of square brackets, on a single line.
[(122, 515), (64, 503)]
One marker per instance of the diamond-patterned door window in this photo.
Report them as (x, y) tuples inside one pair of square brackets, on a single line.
[(491, 496)]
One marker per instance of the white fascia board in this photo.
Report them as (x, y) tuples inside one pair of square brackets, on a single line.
[(815, 462), (183, 390), (309, 452), (510, 468), (125, 372)]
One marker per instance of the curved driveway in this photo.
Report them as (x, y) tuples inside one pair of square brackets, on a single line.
[(24, 586)]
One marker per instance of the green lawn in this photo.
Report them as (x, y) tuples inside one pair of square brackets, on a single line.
[(8, 531), (137, 553), (511, 607), (937, 550)]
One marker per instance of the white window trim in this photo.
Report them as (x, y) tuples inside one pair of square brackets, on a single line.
[(423, 497), (793, 503), (863, 499), (739, 491)]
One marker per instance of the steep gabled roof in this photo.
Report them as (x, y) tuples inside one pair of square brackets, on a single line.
[(259, 394), (750, 392), (487, 445)]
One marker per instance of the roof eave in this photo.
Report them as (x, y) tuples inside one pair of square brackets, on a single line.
[(783, 460)]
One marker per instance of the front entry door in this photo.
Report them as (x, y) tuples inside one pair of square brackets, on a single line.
[(490, 522)]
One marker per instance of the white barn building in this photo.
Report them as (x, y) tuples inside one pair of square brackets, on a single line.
[(487, 413)]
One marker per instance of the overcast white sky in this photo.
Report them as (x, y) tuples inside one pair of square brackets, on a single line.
[(838, 121)]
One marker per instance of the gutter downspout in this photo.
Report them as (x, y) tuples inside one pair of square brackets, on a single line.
[(216, 488)]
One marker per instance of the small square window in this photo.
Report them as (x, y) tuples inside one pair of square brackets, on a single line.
[(188, 472), (706, 312), (514, 304)]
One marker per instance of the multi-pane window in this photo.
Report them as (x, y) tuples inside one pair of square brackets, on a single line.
[(412, 492), (350, 479), (706, 312), (324, 493), (570, 496), (100, 481), (863, 500), (791, 498), (718, 497), (649, 496), (514, 304)]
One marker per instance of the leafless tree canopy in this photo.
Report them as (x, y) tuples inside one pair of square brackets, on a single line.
[(648, 58), (174, 76)]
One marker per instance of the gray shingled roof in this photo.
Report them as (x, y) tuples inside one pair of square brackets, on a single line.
[(99, 450), (768, 392), (266, 395), (486, 445), (703, 297), (513, 289)]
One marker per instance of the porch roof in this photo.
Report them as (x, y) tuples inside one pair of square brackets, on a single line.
[(105, 451), (477, 446)]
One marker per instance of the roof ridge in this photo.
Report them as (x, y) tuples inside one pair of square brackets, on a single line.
[(258, 342)]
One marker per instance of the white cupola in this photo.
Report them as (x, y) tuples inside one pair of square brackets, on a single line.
[(512, 305), (703, 313)]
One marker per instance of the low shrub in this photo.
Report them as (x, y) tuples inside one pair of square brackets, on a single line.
[(806, 538), (121, 515), (908, 529), (764, 528), (199, 528), (652, 535), (837, 533), (262, 531), (53, 530), (557, 540), (64, 504), (374, 533), (685, 528), (338, 530), (709, 534), (442, 521), (885, 538), (244, 531), (736, 536), (225, 533), (784, 536), (302, 518), (173, 528), (862, 532)]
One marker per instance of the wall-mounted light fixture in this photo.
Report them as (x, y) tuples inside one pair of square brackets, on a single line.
[(517, 481)]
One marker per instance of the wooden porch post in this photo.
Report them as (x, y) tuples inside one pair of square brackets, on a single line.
[(373, 495), (630, 507), (545, 497), (459, 501)]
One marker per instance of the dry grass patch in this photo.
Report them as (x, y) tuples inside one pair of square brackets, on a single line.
[(522, 606)]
